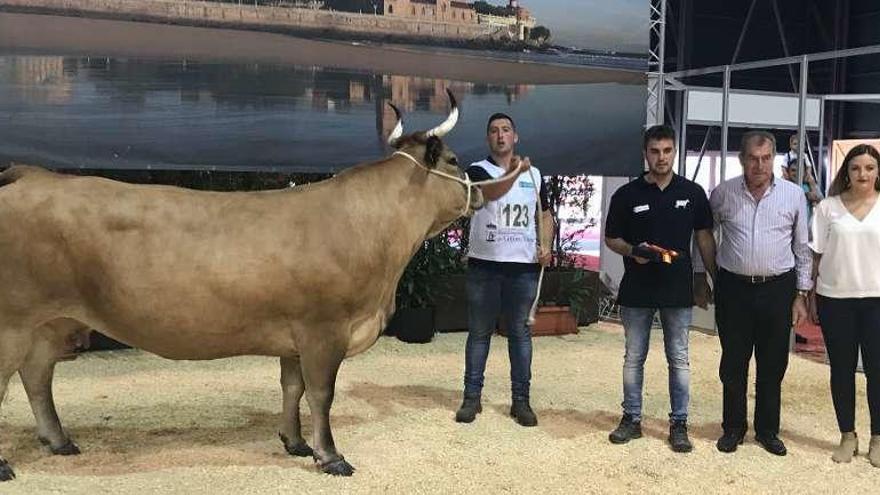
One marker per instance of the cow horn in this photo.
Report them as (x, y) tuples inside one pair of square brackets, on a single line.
[(398, 129), (444, 128)]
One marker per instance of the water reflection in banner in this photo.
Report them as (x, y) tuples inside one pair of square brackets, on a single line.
[(148, 113)]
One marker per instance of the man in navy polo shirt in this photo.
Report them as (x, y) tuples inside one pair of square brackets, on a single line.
[(658, 210)]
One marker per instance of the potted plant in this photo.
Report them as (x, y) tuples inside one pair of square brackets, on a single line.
[(568, 291), (421, 284)]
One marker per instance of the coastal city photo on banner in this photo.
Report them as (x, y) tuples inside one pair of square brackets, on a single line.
[(290, 90)]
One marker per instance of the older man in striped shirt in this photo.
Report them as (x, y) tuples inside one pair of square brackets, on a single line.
[(764, 267)]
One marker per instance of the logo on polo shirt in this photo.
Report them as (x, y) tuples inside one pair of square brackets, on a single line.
[(641, 208), (682, 203)]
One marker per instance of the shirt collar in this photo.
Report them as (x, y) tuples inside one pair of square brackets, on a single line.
[(676, 179), (745, 189)]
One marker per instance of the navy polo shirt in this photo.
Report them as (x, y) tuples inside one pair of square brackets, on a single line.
[(642, 212)]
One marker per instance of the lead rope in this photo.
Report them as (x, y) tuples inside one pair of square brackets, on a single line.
[(470, 184), (467, 182), (531, 320)]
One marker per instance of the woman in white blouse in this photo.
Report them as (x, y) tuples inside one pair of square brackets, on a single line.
[(846, 243)]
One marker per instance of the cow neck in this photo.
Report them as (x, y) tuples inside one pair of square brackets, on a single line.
[(466, 181)]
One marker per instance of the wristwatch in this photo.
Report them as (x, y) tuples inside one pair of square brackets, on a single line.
[(803, 293)]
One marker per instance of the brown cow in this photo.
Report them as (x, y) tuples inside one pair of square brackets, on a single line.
[(307, 274)]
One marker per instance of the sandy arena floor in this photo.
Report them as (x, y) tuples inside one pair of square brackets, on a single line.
[(148, 425)]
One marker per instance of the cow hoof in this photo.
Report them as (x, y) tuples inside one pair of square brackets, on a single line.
[(6, 472), (69, 448), (338, 468), (299, 449)]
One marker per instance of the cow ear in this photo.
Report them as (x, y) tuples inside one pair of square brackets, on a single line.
[(433, 149)]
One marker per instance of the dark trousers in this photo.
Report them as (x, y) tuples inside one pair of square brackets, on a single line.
[(847, 325), (753, 317)]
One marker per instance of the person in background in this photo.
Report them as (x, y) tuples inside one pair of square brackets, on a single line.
[(813, 194), (846, 301), (809, 185), (809, 167)]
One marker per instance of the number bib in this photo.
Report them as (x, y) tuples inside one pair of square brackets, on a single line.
[(504, 229), (515, 216)]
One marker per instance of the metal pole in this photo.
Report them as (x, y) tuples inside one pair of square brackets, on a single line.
[(682, 134), (802, 117), (760, 64), (742, 33), (782, 39), (656, 82), (725, 121), (702, 152), (661, 93), (820, 160)]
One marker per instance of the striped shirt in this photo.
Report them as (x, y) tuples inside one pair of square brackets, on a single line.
[(766, 237)]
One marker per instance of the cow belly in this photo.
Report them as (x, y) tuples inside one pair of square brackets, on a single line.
[(207, 343), (365, 333)]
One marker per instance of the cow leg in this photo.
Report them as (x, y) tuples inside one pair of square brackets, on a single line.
[(12, 354), (6, 472), (319, 372), (36, 376), (292, 388)]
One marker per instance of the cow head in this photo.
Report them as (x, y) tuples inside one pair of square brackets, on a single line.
[(427, 149)]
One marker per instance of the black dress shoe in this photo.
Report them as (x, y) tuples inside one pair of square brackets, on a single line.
[(771, 443), (730, 441)]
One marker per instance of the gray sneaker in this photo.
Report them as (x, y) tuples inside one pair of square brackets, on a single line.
[(627, 430)]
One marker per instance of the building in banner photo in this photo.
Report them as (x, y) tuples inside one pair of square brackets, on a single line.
[(513, 20), (434, 10)]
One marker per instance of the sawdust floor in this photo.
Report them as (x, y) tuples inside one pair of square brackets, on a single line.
[(149, 425)]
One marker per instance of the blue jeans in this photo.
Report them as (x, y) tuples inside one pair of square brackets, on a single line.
[(637, 329), (493, 291)]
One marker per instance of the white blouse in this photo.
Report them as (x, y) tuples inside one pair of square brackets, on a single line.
[(850, 249)]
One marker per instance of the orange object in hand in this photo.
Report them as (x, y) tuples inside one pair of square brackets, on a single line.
[(665, 255)]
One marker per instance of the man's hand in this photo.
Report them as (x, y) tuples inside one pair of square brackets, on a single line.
[(812, 308), (518, 162), (808, 176), (639, 259), (702, 291), (798, 311), (544, 257), (649, 253)]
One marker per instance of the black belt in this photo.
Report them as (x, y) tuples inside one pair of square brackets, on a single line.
[(757, 279)]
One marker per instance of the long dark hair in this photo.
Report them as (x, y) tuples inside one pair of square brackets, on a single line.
[(841, 180)]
